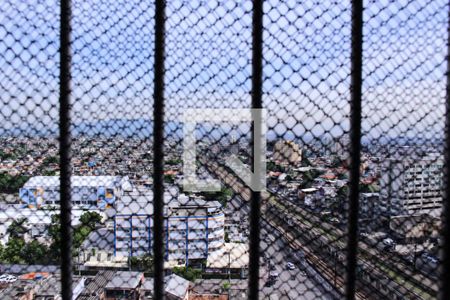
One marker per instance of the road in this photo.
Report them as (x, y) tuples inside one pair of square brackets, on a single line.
[(291, 284)]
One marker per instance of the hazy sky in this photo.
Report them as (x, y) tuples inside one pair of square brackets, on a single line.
[(208, 46)]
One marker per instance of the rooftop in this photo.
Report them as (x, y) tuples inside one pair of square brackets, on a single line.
[(124, 280), (76, 181), (174, 285)]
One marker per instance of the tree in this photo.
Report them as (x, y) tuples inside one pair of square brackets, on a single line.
[(173, 162), (305, 161), (90, 219), (54, 231), (17, 229), (13, 251), (49, 173), (169, 178), (35, 253), (308, 178), (88, 222), (222, 196), (142, 263), (11, 184), (7, 155), (226, 237), (271, 166), (2, 250), (187, 273), (50, 160)]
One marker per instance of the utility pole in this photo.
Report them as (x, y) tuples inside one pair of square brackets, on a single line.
[(229, 266)]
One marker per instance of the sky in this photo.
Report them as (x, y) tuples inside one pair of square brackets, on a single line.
[(208, 63)]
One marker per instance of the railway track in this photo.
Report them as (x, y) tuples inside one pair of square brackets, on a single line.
[(325, 270), (394, 274)]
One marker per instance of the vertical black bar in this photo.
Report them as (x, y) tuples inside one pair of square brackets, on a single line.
[(445, 266), (64, 150), (355, 140), (255, 204), (158, 148)]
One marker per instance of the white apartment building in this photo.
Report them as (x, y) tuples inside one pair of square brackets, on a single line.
[(412, 185), (87, 191), (193, 227)]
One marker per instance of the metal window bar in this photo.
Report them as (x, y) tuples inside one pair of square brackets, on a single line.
[(158, 149), (445, 264), (355, 144), (65, 150), (256, 94)]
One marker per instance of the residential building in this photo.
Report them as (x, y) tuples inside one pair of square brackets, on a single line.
[(87, 191), (193, 227), (412, 185), (175, 288), (124, 285), (287, 153)]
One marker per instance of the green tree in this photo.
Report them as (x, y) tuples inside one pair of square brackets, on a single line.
[(2, 250), (308, 178), (142, 263), (168, 178), (173, 162), (49, 173), (88, 222), (222, 196), (13, 251), (7, 155), (188, 273), (90, 219), (17, 229), (271, 166), (11, 184), (305, 161), (35, 253), (226, 237), (54, 231), (50, 160)]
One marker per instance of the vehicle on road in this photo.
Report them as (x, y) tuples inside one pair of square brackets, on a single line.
[(290, 266), (273, 274), (270, 282), (8, 278)]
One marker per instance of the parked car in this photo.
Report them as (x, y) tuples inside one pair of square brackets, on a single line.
[(11, 279), (273, 274), (290, 266), (8, 278)]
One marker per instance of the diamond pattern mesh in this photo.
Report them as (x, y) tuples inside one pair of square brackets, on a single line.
[(208, 73)]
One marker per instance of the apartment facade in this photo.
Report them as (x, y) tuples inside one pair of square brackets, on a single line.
[(193, 228), (412, 185), (86, 191)]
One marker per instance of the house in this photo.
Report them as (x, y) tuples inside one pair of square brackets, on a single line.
[(175, 288), (124, 285)]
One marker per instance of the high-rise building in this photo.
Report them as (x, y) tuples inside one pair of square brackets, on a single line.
[(193, 228), (287, 153), (86, 191), (412, 185)]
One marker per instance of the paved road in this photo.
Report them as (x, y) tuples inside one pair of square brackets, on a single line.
[(291, 284)]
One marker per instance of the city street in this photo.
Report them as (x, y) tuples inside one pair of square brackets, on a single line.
[(290, 284)]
